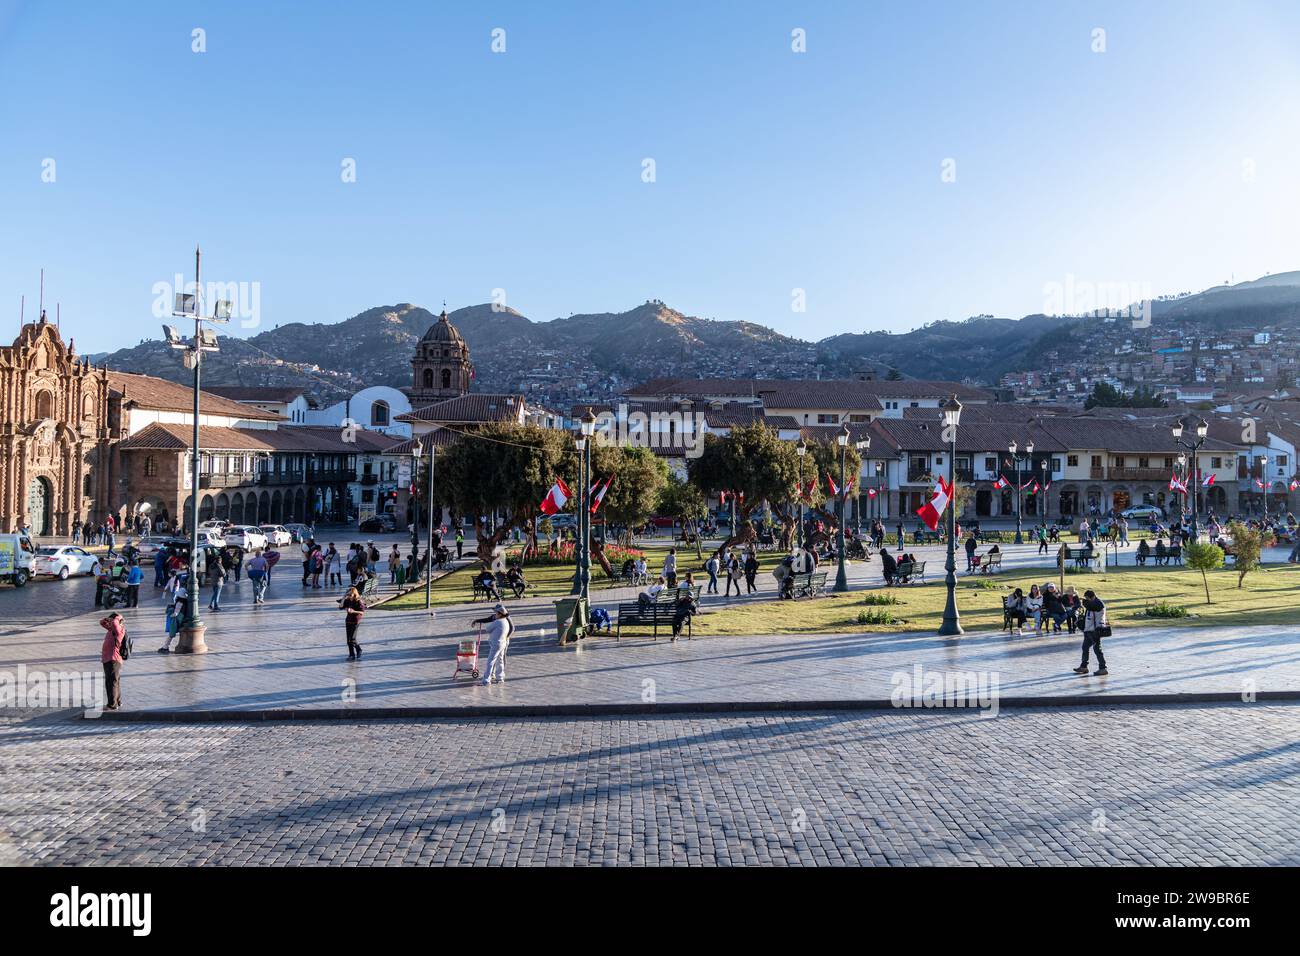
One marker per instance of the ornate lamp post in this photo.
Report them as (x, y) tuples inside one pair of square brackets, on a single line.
[(1263, 474), (582, 574), (417, 452), (1182, 471), (1194, 461), (1020, 459), (190, 640), (951, 625), (1042, 492), (800, 449), (841, 576)]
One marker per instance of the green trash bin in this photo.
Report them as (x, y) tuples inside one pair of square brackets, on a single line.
[(572, 617)]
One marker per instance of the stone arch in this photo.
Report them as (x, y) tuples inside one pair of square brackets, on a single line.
[(205, 508), (222, 508), (380, 415), (43, 403), (277, 508), (428, 378), (264, 509)]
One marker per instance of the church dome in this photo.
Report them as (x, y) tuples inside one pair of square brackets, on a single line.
[(443, 332)]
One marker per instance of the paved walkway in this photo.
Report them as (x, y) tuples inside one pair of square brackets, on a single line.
[(1176, 785), (290, 654)]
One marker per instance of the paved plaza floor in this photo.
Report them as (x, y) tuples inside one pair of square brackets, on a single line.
[(290, 655), (1213, 785)]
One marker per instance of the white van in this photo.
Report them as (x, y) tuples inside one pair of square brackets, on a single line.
[(17, 554)]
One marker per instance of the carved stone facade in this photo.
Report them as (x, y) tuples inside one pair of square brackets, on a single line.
[(54, 434), (441, 368)]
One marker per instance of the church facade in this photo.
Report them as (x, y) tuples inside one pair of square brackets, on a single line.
[(441, 368), (54, 434)]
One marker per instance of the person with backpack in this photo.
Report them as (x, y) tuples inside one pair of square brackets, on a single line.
[(217, 574), (355, 608), (116, 649), (1095, 627), (499, 628), (711, 566)]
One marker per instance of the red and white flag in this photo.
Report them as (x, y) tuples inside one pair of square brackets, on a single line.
[(556, 498), (1000, 483), (1259, 484), (848, 486), (1208, 480), (1294, 484), (598, 493), (1176, 484), (933, 509), (1034, 490), (830, 483), (871, 492)]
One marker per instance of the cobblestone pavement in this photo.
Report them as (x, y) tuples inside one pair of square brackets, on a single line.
[(1110, 785), (291, 654)]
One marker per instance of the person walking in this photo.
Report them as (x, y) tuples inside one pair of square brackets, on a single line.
[(670, 568), (711, 566), (111, 656), (134, 578), (1095, 627), (1042, 538), (734, 573), (751, 571), (355, 608), (217, 574), (258, 574), (333, 566), (394, 562), (499, 629), (460, 543)]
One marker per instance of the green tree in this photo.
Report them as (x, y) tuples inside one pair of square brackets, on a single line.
[(507, 467), (639, 478), (1247, 548), (751, 460), (1203, 556), (682, 501), (1105, 396)]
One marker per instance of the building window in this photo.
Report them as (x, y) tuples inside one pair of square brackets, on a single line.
[(1281, 461), (446, 378), (1216, 462), (428, 378), (379, 413), (1055, 465), (1072, 461), (367, 495), (150, 467), (1096, 461), (859, 418), (828, 419), (44, 404), (1144, 462), (990, 464)]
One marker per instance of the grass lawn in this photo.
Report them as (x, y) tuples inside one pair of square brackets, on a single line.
[(556, 580), (1271, 595)]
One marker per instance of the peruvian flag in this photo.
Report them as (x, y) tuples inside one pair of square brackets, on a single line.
[(722, 498), (848, 486), (597, 496), (1208, 480), (1176, 484), (1259, 484), (1294, 484), (1000, 483), (830, 483), (871, 492), (933, 509), (556, 498), (1034, 490)]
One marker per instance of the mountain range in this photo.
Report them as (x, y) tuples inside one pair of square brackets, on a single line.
[(602, 353)]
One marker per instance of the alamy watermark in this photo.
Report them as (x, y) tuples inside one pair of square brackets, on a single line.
[(921, 688), (1108, 300), (58, 690), (245, 298), (637, 429)]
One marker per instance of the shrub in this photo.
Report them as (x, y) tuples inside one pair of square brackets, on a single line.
[(986, 585), (1248, 548), (879, 597), (1165, 609), (877, 616)]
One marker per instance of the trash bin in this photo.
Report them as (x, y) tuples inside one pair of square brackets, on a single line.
[(572, 616)]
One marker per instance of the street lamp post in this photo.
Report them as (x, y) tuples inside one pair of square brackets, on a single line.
[(1263, 474), (1042, 492), (417, 452), (1186, 478), (1194, 461), (800, 449), (415, 515), (190, 639), (951, 625), (582, 573), (841, 576), (1020, 494)]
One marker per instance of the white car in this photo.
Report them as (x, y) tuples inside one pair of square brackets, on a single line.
[(246, 536), (277, 534), (150, 545), (207, 536), (63, 561)]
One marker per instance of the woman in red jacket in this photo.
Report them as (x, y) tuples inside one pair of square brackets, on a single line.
[(111, 656)]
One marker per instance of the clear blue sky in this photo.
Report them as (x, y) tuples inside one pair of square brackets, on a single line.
[(522, 170)]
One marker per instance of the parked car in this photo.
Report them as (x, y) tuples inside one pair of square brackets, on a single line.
[(210, 538), (150, 545), (378, 524), (565, 521), (1143, 511), (246, 536), (277, 534), (17, 554), (300, 532), (62, 561)]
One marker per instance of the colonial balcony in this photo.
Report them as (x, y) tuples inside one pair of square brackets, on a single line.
[(1131, 474), (280, 478), (331, 475), (226, 479)]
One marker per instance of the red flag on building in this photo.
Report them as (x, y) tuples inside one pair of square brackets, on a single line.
[(1000, 483), (598, 496), (1209, 480)]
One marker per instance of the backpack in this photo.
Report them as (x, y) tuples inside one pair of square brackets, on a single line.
[(125, 649)]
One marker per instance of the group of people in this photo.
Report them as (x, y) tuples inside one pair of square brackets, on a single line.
[(890, 564), (737, 566), (327, 564), (1049, 608)]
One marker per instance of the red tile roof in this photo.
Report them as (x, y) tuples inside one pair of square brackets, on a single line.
[(146, 391)]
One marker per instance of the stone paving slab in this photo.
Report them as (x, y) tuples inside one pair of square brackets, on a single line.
[(290, 655)]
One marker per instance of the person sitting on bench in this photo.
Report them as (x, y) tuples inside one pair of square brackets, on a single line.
[(888, 566), (515, 579), (1143, 552), (1161, 554), (1016, 610), (648, 596), (686, 607), (488, 582)]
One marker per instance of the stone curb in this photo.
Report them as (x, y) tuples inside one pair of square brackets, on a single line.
[(682, 708)]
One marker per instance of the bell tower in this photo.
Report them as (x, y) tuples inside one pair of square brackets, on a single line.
[(441, 367)]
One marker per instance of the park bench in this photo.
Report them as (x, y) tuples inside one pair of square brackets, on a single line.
[(810, 585), (987, 536), (1163, 555), (479, 589), (988, 563), (1080, 556), (659, 611), (909, 572)]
